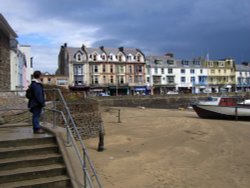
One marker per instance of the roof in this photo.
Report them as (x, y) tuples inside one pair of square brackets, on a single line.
[(6, 28), (243, 68)]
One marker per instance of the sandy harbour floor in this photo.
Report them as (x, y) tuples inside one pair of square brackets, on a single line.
[(159, 148)]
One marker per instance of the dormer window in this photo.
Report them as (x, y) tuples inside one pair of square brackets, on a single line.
[(95, 57), (90, 56), (120, 57), (138, 58), (103, 57), (79, 57)]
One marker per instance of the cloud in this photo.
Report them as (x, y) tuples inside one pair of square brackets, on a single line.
[(186, 28)]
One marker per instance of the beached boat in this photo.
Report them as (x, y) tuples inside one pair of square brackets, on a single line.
[(222, 108)]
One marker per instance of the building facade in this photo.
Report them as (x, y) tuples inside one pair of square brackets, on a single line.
[(116, 71), (7, 41), (242, 77), (221, 75)]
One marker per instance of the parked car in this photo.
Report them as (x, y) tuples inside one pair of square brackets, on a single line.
[(172, 93), (103, 94)]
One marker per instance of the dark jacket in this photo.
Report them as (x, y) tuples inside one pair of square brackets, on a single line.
[(38, 95)]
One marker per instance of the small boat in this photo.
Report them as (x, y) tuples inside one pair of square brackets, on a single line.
[(222, 108)]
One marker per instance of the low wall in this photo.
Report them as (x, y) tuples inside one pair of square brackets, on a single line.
[(160, 101)]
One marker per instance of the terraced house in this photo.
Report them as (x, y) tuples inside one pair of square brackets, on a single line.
[(221, 75), (166, 74), (115, 71), (242, 77)]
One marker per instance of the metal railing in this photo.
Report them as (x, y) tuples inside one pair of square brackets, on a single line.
[(69, 124)]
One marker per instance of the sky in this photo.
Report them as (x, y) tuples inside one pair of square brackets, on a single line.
[(189, 29)]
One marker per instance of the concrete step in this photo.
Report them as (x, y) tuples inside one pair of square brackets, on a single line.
[(23, 151), (29, 161), (27, 142), (49, 182), (21, 174)]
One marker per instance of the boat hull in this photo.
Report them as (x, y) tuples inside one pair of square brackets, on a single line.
[(222, 112)]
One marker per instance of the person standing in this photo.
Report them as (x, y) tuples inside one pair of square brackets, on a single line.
[(36, 102)]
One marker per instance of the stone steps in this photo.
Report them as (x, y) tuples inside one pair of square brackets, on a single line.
[(32, 162), (48, 182)]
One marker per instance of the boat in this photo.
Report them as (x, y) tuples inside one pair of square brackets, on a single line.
[(223, 107)]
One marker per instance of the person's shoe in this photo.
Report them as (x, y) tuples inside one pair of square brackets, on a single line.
[(39, 131)]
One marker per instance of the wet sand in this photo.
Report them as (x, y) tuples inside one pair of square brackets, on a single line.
[(158, 148)]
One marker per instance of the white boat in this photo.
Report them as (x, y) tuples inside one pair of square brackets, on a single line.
[(222, 108)]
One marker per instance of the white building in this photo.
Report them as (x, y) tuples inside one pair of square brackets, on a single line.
[(242, 77), (26, 50)]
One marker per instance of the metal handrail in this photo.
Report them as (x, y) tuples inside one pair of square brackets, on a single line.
[(86, 157)]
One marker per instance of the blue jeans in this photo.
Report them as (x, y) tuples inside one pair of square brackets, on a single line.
[(36, 111)]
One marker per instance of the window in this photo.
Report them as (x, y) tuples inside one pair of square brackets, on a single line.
[(183, 79), (121, 80), (78, 69), (103, 57), (111, 79), (212, 71), (104, 79), (201, 71), (138, 57), (95, 68), (49, 80), (170, 62), (192, 79), (61, 82), (111, 68), (111, 57), (211, 64), (120, 57), (183, 71), (129, 57), (130, 68), (148, 79), (170, 79), (170, 71), (130, 80), (139, 68), (156, 70), (79, 57), (221, 64), (95, 57), (96, 79), (192, 71), (162, 70), (184, 62), (103, 68)]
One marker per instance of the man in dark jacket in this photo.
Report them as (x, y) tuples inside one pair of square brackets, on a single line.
[(37, 102)]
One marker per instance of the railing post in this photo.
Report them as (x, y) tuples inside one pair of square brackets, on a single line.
[(84, 170), (54, 107), (119, 115), (101, 138), (236, 113)]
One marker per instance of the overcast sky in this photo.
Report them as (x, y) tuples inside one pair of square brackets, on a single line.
[(187, 28)]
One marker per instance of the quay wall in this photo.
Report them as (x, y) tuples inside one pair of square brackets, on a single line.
[(160, 101)]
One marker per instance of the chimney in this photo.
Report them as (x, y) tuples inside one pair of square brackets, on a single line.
[(65, 45), (102, 48), (83, 47), (121, 48), (170, 55)]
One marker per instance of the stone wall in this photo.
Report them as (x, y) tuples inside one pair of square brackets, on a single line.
[(4, 62), (160, 101)]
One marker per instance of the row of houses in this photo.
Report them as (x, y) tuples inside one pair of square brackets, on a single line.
[(15, 60), (127, 71)]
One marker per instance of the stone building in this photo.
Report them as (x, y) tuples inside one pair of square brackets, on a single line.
[(7, 42)]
